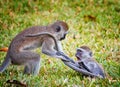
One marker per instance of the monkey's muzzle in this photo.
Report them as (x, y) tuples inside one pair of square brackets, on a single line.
[(62, 38), (77, 56)]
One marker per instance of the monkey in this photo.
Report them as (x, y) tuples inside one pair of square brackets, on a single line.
[(20, 49), (85, 60), (75, 66)]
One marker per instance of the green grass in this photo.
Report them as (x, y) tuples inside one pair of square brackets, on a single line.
[(95, 23)]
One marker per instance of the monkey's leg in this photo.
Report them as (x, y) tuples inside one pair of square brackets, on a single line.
[(27, 69), (31, 61), (32, 67)]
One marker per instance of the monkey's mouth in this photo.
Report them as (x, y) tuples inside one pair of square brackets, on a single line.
[(62, 38), (78, 58)]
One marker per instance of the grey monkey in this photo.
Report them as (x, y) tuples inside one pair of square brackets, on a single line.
[(20, 49), (87, 62)]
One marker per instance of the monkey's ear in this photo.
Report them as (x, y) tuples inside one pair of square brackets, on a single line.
[(58, 28)]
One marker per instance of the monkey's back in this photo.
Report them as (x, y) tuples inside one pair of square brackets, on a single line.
[(21, 41)]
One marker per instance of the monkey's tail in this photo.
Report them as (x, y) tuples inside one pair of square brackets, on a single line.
[(5, 63)]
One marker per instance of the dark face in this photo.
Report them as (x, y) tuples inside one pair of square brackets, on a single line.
[(79, 54), (83, 53), (60, 30), (61, 33)]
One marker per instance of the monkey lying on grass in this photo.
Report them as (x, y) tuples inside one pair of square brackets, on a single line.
[(86, 61)]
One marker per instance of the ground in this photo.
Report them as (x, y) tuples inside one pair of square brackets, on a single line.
[(95, 23)]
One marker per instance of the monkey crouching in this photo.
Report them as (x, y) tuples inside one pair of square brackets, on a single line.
[(47, 37)]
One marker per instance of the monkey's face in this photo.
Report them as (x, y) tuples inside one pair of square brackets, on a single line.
[(60, 30), (83, 53)]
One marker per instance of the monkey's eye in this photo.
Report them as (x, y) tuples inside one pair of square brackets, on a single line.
[(79, 50), (58, 29)]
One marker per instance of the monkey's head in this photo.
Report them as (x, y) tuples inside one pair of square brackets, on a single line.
[(83, 52), (59, 29)]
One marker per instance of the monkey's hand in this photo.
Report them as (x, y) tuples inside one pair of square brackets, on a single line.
[(57, 54), (66, 58)]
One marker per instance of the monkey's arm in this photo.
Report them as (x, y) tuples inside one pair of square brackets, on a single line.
[(65, 56), (83, 64), (59, 46), (48, 49), (81, 70)]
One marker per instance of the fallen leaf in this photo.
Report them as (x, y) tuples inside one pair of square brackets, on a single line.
[(90, 17), (5, 49), (16, 82)]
